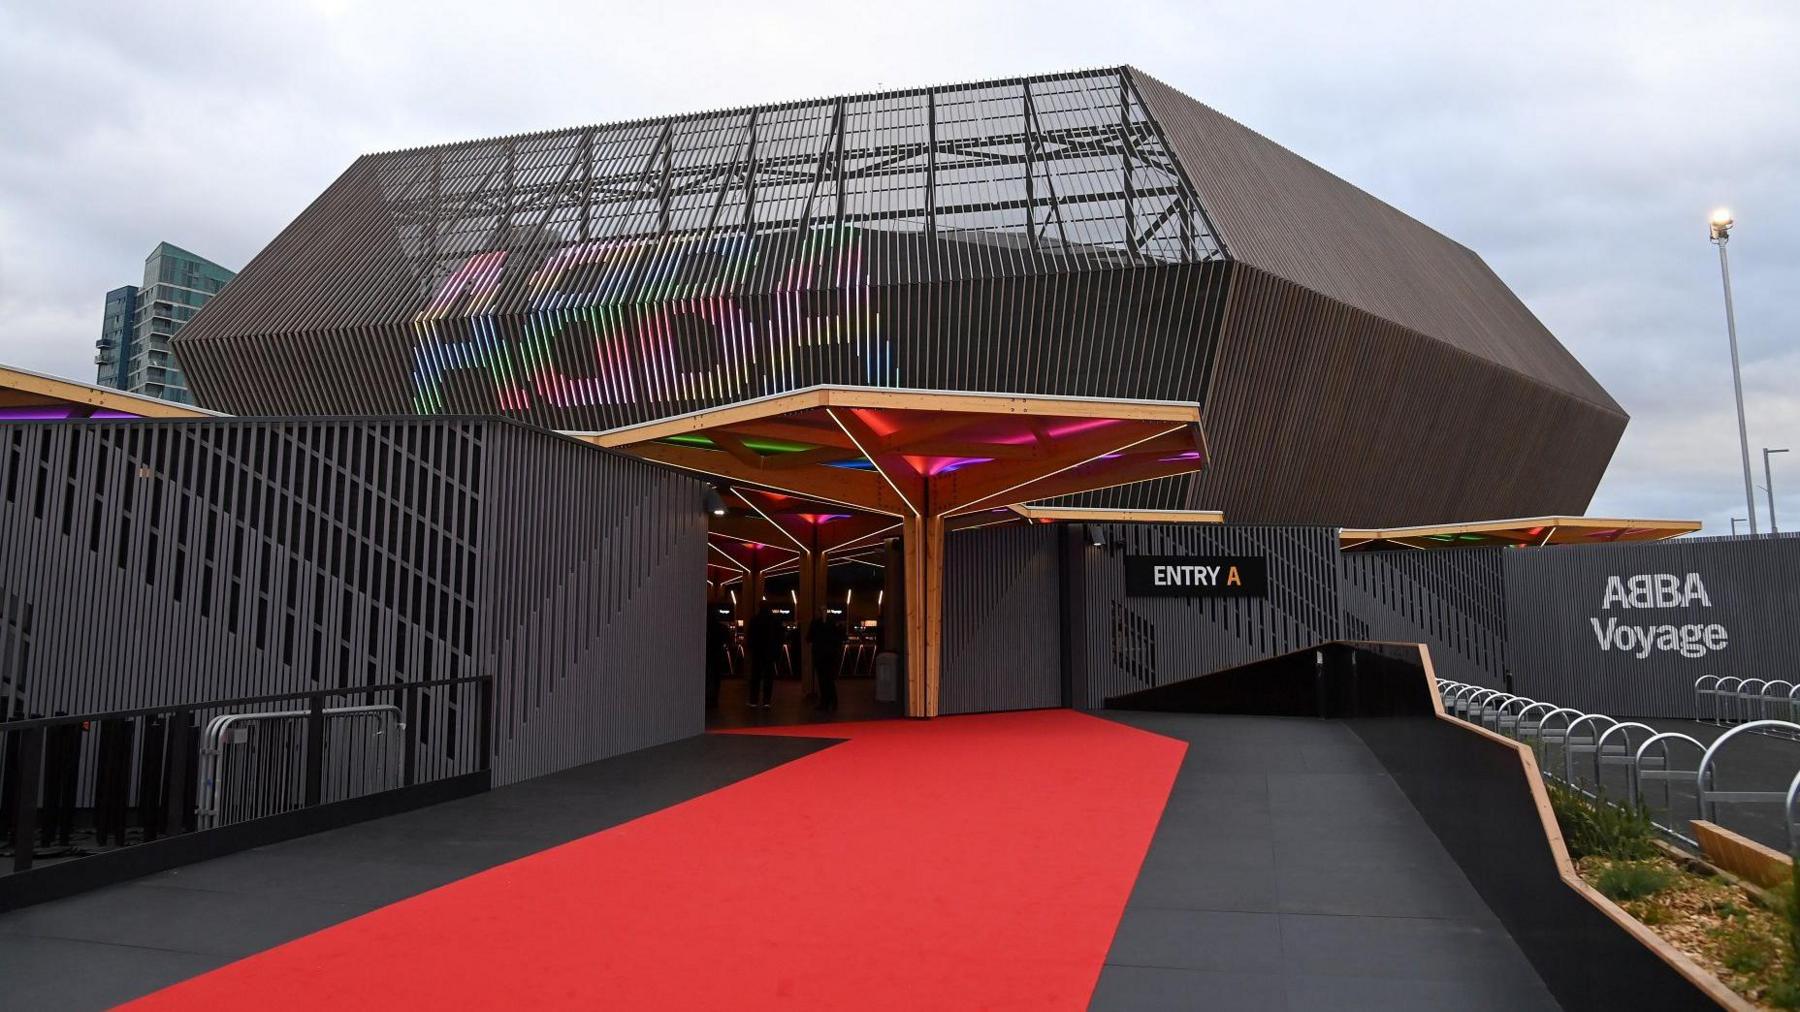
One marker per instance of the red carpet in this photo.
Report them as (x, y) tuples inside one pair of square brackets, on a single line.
[(966, 862)]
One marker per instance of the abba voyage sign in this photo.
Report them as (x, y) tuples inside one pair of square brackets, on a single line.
[(1195, 576), (1626, 629), (1662, 591)]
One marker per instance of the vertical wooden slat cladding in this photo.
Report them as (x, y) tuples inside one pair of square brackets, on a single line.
[(1002, 620), (145, 563), (1279, 212), (1092, 233), (1318, 410)]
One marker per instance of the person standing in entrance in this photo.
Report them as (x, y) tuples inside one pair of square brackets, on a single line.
[(827, 639), (718, 654), (765, 637)]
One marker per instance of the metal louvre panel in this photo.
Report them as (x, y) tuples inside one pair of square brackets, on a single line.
[(594, 605), (153, 563), (1140, 642), (148, 563), (1554, 595), (170, 562), (1001, 620), (1453, 601)]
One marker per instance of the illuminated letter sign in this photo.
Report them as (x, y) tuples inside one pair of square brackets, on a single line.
[(655, 321)]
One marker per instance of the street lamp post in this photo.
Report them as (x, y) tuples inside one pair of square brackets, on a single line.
[(1721, 234), (1769, 487), (1734, 522)]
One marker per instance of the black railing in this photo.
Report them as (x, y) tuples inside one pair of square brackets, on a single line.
[(80, 785)]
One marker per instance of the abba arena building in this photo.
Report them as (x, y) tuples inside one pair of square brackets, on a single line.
[(1006, 376)]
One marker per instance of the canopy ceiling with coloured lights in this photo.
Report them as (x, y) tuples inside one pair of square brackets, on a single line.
[(923, 453), (761, 533), (1530, 531), (923, 461)]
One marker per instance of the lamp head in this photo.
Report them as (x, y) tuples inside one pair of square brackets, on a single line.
[(1721, 223)]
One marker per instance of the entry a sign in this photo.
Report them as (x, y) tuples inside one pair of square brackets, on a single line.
[(1195, 576)]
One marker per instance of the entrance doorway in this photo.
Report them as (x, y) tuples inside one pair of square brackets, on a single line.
[(823, 590)]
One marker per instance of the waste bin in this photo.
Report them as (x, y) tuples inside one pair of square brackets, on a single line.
[(887, 676)]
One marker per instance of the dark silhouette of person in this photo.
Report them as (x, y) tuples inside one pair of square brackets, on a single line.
[(767, 635), (827, 639), (718, 654)]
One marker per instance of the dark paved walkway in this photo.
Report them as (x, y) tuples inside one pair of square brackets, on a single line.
[(107, 946), (856, 701), (1287, 872), (1290, 872)]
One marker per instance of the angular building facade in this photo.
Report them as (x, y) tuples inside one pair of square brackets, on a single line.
[(1091, 234)]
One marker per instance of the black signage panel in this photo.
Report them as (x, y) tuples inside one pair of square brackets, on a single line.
[(1195, 576)]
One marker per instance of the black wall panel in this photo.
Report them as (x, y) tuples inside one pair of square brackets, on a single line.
[(1133, 643), (152, 562), (1555, 597), (1002, 620), (1452, 601), (1485, 613)]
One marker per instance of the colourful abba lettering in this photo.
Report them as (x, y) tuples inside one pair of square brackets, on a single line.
[(594, 305)]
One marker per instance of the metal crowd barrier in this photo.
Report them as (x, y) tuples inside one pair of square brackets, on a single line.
[(1658, 767), (1711, 797), (1642, 752), (1724, 700), (255, 764), (76, 785)]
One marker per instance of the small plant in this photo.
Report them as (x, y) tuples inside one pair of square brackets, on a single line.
[(1633, 880), (1746, 953), (1785, 993), (1602, 830)]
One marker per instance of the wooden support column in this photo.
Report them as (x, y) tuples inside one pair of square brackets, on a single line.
[(893, 595), (923, 546), (912, 540), (934, 610), (812, 598)]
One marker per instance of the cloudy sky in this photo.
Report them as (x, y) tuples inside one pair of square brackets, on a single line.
[(1578, 147)]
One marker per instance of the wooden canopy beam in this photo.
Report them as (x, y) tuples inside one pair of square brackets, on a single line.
[(23, 388)]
